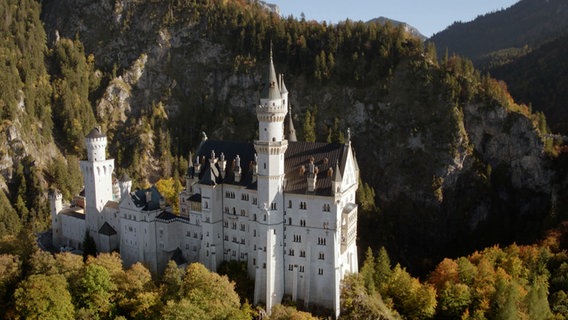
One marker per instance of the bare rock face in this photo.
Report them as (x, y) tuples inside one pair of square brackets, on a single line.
[(510, 139)]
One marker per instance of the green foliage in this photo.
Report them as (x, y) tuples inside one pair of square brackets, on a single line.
[(211, 294), (96, 291), (89, 246), (280, 312), (9, 220), (309, 126), (65, 176), (368, 271), (237, 272), (170, 189), (73, 79), (171, 282), (357, 303), (26, 90), (43, 297), (10, 272)]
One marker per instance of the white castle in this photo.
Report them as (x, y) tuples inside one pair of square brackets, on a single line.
[(285, 208)]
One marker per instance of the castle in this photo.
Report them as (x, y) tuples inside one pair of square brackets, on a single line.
[(285, 208)]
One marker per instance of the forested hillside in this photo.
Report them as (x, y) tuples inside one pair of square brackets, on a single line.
[(540, 78), (449, 162), (499, 37)]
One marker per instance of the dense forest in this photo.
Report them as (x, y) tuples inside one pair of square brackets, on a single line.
[(524, 45), (539, 78), (499, 37), (450, 163)]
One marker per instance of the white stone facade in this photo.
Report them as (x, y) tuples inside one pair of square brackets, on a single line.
[(285, 208)]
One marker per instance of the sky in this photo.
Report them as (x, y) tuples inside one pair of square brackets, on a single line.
[(428, 16)]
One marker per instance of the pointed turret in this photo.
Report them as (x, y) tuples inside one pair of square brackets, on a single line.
[(271, 90), (291, 131), (336, 180)]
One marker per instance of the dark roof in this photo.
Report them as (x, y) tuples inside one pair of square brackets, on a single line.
[(271, 90), (166, 215), (140, 198), (326, 155), (107, 230), (95, 133), (73, 212), (112, 204), (298, 154), (244, 150)]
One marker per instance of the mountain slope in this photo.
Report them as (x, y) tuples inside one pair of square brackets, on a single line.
[(540, 78), (512, 31)]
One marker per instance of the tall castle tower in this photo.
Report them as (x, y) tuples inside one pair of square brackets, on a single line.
[(270, 148), (97, 178)]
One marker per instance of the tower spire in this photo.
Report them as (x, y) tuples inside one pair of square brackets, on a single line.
[(271, 90), (291, 132)]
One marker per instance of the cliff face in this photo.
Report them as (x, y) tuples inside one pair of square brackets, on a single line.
[(444, 171)]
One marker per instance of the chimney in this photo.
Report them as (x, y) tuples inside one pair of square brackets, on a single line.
[(312, 176), (237, 169), (222, 165), (148, 196)]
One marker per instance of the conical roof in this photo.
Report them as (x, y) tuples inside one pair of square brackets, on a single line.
[(291, 132), (95, 133), (271, 90)]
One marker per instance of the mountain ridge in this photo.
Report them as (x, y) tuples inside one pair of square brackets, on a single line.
[(526, 23)]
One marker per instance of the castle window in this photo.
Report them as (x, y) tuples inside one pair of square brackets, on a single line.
[(254, 201), (234, 211), (264, 218), (254, 261), (264, 165), (226, 224), (321, 241), (243, 213), (254, 233), (242, 240), (301, 268), (320, 271), (290, 267), (297, 238), (302, 253), (289, 203), (303, 223), (326, 207), (273, 206), (290, 221), (234, 226), (242, 227), (321, 256), (303, 205), (291, 252), (226, 238), (254, 218)]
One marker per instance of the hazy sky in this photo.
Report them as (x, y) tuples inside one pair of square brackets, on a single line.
[(428, 16)]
